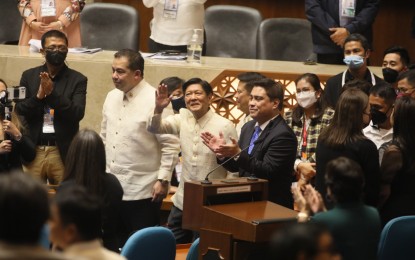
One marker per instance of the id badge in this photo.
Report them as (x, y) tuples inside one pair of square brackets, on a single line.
[(348, 8), (48, 117), (48, 8), (170, 9)]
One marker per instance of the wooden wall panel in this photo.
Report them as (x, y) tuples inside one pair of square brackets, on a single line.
[(392, 25)]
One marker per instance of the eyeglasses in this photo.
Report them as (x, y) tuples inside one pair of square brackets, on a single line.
[(61, 48), (404, 90)]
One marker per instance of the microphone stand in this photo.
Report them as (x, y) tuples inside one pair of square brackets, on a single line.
[(207, 181)]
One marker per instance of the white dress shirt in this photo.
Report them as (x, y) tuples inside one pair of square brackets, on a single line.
[(135, 156), (198, 159), (378, 135), (178, 31)]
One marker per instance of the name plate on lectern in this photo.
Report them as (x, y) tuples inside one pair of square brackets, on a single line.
[(221, 191), (245, 188)]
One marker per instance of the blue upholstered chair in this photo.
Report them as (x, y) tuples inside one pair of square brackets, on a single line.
[(231, 31), (286, 39), (153, 243), (110, 26), (193, 253), (397, 240), (44, 237)]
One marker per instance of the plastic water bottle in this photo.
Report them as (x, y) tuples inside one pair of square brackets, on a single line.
[(194, 48)]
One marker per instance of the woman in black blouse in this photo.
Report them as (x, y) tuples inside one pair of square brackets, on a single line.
[(85, 165), (344, 137)]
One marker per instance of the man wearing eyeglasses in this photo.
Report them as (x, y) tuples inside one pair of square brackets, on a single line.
[(406, 83), (54, 105)]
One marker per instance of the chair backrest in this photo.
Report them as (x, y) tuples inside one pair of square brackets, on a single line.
[(193, 253), (44, 237), (10, 22), (287, 39), (397, 239), (231, 31), (152, 243), (110, 26)]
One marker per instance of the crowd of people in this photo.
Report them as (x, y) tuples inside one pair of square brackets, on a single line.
[(342, 156)]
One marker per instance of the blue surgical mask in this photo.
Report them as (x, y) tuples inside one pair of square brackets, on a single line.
[(354, 61)]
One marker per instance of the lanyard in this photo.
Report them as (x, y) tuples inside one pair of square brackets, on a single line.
[(304, 141), (372, 78)]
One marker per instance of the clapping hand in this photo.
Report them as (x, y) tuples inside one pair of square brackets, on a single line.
[(314, 199), (299, 199), (308, 200), (46, 85), (213, 142), (218, 145)]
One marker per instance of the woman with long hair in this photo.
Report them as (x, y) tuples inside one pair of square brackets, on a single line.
[(85, 165), (15, 147), (344, 137), (308, 119), (398, 164)]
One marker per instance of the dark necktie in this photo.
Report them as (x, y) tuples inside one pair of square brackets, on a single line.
[(254, 138)]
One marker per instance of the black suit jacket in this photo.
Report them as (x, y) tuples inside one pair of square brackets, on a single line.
[(68, 99), (272, 158), (324, 14)]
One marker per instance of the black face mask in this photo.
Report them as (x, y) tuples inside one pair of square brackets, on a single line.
[(390, 75), (56, 58), (178, 103), (377, 116)]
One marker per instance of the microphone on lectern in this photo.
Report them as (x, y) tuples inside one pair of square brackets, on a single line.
[(206, 180)]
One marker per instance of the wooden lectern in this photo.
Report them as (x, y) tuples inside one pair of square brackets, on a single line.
[(233, 218), (223, 191)]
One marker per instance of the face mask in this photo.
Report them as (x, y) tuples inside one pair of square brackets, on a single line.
[(377, 116), (178, 103), (306, 99), (354, 61), (55, 58), (390, 75)]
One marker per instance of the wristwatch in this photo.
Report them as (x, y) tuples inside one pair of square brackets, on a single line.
[(163, 181)]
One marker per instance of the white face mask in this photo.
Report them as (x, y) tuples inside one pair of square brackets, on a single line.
[(306, 99)]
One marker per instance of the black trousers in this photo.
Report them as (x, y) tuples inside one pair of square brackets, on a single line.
[(157, 47), (136, 215), (174, 223)]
